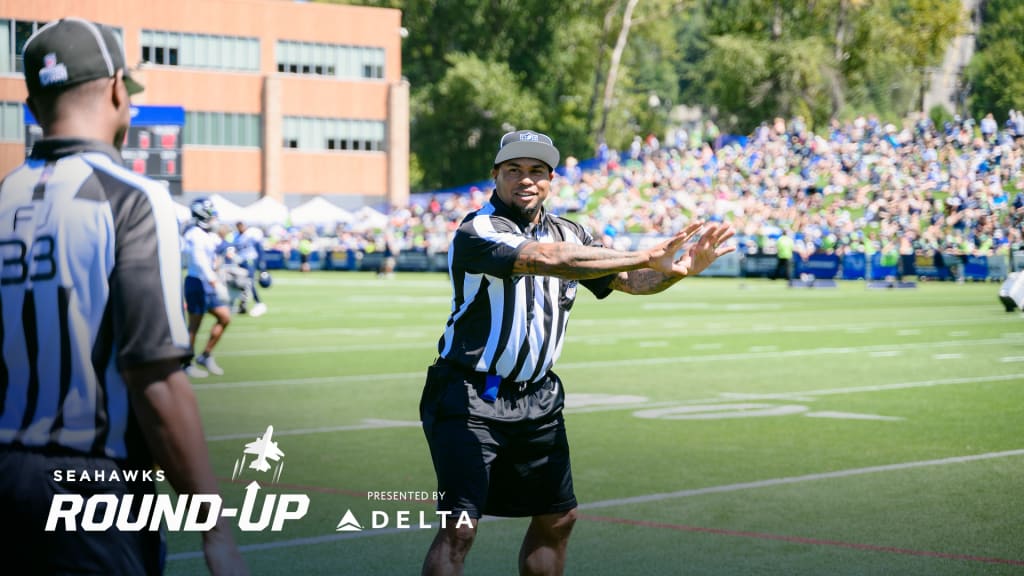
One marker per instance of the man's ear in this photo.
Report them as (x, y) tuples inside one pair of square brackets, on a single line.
[(494, 172), (119, 92)]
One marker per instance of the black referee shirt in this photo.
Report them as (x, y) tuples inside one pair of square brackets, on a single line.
[(91, 284), (512, 326)]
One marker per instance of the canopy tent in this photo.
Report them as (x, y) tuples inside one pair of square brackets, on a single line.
[(182, 212), (227, 211), (366, 217), (320, 212), (264, 212)]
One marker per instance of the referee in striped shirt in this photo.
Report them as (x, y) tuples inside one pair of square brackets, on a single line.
[(93, 331), (491, 406)]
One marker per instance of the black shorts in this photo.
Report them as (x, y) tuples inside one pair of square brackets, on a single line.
[(509, 457), (27, 486)]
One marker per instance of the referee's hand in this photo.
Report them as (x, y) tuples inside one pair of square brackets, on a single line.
[(696, 256)]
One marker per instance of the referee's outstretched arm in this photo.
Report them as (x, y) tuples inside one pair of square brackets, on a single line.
[(641, 272), (168, 414)]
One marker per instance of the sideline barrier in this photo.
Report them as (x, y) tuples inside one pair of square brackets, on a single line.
[(925, 267), (855, 267), (821, 266), (879, 272), (725, 266), (732, 265), (759, 265)]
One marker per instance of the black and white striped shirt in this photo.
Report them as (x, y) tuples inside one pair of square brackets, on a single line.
[(512, 326), (91, 285)]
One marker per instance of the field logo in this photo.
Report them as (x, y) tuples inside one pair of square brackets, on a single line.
[(264, 449), (349, 523)]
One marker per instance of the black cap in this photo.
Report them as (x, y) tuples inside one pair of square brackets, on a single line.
[(71, 51)]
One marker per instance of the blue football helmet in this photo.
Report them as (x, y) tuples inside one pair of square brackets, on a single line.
[(203, 212), (265, 279)]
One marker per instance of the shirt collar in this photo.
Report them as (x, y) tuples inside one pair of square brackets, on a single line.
[(56, 148)]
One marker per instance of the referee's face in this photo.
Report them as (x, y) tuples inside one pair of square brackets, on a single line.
[(523, 184)]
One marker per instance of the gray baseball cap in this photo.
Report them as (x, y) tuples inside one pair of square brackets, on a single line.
[(527, 144)]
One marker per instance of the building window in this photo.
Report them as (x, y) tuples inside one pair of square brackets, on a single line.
[(12, 122), (335, 60), (201, 50), (13, 35), (222, 129), (308, 133)]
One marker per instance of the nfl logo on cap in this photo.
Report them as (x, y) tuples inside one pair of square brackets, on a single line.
[(52, 73)]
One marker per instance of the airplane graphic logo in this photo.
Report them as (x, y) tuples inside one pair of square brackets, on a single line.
[(265, 450), (348, 523)]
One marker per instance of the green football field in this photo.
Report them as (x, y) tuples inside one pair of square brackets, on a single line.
[(724, 427)]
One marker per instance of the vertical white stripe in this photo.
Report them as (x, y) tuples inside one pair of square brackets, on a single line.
[(470, 288), (79, 406), (507, 360), (47, 365), (17, 191), (554, 293), (558, 348), (496, 295)]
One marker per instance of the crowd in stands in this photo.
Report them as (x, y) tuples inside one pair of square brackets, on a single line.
[(862, 186)]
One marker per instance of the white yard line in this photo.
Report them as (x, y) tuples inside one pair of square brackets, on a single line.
[(797, 479), (368, 424), (884, 349), (671, 324), (644, 499), (797, 396)]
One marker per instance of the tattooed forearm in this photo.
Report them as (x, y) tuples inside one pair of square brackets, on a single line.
[(575, 262), (645, 281)]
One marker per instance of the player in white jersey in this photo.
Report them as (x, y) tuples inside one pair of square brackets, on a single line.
[(205, 290), (249, 243)]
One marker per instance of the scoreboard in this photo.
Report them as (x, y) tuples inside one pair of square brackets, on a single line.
[(152, 146)]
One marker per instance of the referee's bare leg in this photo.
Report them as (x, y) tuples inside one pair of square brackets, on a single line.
[(543, 551), (448, 552)]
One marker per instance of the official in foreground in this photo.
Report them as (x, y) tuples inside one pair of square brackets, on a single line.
[(93, 332), (492, 406)]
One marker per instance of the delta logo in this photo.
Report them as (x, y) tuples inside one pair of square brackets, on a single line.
[(404, 519), (184, 512)]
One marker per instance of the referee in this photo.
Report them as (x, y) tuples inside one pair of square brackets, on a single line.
[(491, 406), (93, 331)]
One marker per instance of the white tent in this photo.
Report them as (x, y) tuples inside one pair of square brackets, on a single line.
[(182, 212), (320, 212), (367, 217), (227, 211), (264, 212)]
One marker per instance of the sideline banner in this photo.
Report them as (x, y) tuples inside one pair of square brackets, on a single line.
[(759, 265), (879, 272), (821, 266), (727, 265), (854, 266), (976, 268)]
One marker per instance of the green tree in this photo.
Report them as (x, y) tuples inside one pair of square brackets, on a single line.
[(997, 85), (466, 112)]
